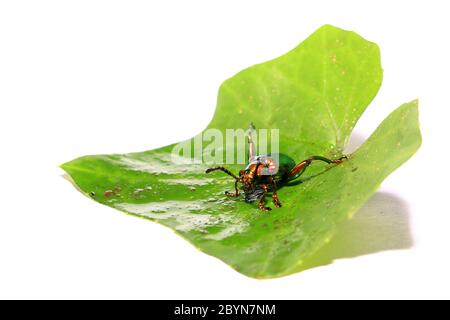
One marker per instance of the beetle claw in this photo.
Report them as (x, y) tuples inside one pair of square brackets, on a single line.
[(231, 194)]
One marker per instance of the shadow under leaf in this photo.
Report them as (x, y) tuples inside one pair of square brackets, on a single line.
[(381, 225)]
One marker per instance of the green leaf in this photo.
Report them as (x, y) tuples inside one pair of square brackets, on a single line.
[(314, 95)]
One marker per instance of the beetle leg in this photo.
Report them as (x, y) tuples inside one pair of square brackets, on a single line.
[(262, 201), (276, 200), (300, 168), (236, 191), (251, 143), (228, 172)]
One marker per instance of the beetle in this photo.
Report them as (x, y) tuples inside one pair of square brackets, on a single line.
[(267, 173)]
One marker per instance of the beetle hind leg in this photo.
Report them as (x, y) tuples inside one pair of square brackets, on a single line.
[(300, 168)]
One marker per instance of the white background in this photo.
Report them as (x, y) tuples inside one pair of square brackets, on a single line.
[(88, 77)]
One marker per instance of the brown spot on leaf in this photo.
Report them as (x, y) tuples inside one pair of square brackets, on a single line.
[(109, 193)]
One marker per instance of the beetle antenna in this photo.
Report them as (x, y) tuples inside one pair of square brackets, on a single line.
[(228, 172)]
